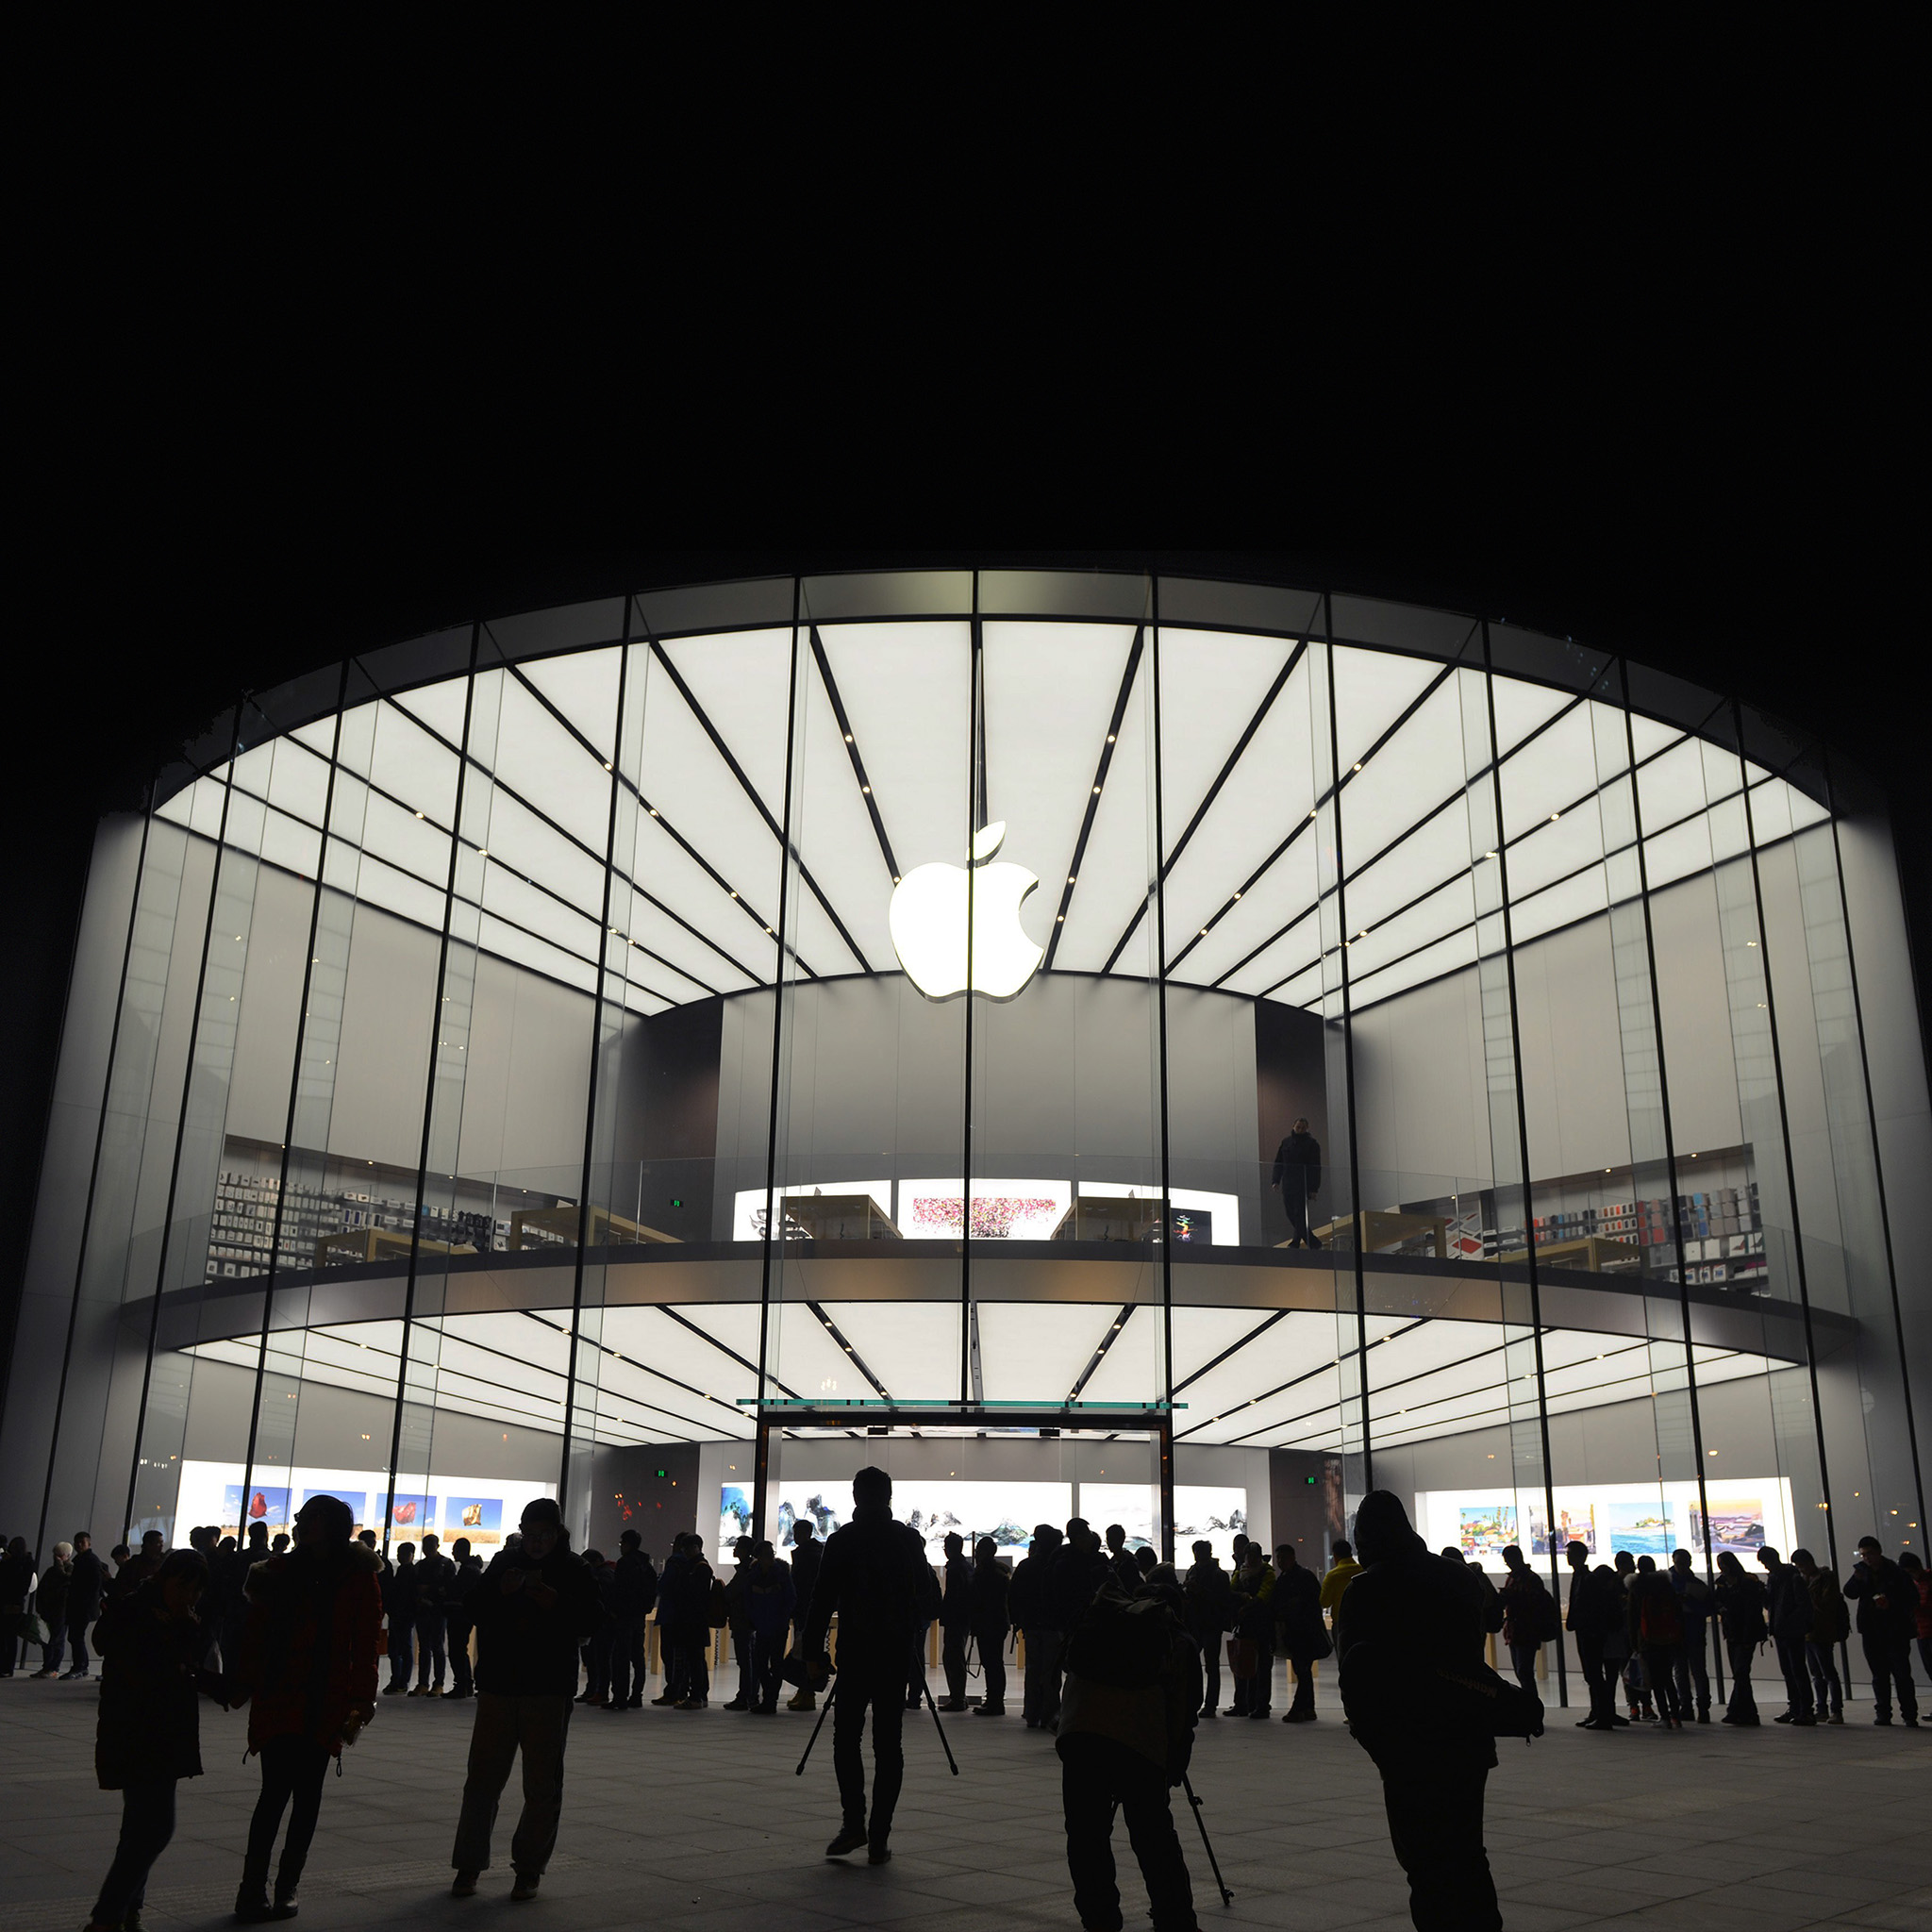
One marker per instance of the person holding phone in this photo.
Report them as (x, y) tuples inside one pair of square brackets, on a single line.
[(1887, 1617)]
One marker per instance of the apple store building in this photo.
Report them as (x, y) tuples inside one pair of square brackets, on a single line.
[(1181, 1053)]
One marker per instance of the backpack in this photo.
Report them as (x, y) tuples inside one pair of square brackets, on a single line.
[(1122, 1641)]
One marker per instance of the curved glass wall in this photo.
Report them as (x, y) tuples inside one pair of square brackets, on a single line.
[(540, 1058)]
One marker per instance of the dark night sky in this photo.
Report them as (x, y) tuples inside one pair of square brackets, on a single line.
[(1666, 408)]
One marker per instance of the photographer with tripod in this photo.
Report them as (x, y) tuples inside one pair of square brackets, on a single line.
[(875, 1579)]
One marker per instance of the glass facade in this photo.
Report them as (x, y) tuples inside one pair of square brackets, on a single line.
[(640, 1047)]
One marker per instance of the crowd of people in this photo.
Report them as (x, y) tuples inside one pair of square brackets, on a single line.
[(1123, 1658)]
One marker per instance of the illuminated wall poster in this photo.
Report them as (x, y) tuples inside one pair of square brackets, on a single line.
[(1207, 1513), (211, 1492), (1133, 1506)]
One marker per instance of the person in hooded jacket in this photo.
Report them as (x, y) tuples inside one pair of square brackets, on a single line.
[(1407, 1616), (876, 1580), (1789, 1612), (149, 1734), (988, 1603), (807, 1552), (307, 1670), (1029, 1603), (1209, 1611), (633, 1595), (532, 1607), (1740, 1602), (1831, 1623)]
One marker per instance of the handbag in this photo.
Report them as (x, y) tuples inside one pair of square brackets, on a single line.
[(1242, 1657), (35, 1629), (1324, 1645)]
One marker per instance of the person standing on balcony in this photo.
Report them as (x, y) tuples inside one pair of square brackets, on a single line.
[(1297, 1175)]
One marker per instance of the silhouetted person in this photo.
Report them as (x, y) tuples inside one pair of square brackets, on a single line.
[(684, 1628), (633, 1595), (1029, 1603), (1790, 1614), (876, 1580), (1529, 1615), (1693, 1612), (595, 1652), (532, 1607), (806, 1553), (1078, 1571), (134, 1568), (1888, 1604), (1297, 1175), (149, 1733), (84, 1594), (1127, 1730), (1830, 1626), (306, 1668), (1739, 1601), (1342, 1570), (956, 1620), (1254, 1622), (1122, 1558), (770, 1602), (738, 1615), (1595, 1612), (988, 1588), (399, 1603), (1298, 1618), (1408, 1616), (1920, 1580), (467, 1567), (1656, 1631), (433, 1574), (50, 1604), (1208, 1610)]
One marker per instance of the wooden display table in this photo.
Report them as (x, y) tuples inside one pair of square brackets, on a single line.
[(1384, 1227), (608, 1230), (378, 1244), (838, 1217), (1107, 1218), (1597, 1253)]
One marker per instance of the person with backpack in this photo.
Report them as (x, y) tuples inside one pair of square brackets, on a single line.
[(1529, 1615), (1656, 1631), (989, 1587), (633, 1594), (1694, 1614), (466, 1567), (956, 1620), (1830, 1626), (1126, 1732), (1740, 1600), (1595, 1610), (1425, 1706), (1790, 1610), (1888, 1620), (876, 1580), (1297, 1603), (307, 1668), (1209, 1614), (1029, 1603)]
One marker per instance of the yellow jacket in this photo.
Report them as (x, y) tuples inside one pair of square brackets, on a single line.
[(1337, 1580)]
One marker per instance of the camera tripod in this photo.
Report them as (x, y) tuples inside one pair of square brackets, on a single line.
[(952, 1763)]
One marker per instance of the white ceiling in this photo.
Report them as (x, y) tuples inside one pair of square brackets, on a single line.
[(700, 753)]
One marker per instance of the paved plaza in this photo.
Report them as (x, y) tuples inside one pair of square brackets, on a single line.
[(694, 1821)]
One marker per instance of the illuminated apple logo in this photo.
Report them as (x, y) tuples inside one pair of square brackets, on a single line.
[(929, 921)]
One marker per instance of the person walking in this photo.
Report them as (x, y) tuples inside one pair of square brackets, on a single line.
[(16, 1589), (433, 1574), (1529, 1615), (1029, 1603), (148, 1736), (307, 1670), (771, 1597), (1830, 1626), (1126, 1732), (1297, 1175), (399, 1603), (1595, 1610), (956, 1620), (876, 1580), (1921, 1579), (1740, 1600), (1657, 1631), (50, 1602), (1687, 1669), (1409, 1619), (1887, 1621), (1298, 1618), (531, 1608), (85, 1588), (1790, 1614), (1208, 1610), (466, 1568), (633, 1596), (806, 1553), (989, 1607)]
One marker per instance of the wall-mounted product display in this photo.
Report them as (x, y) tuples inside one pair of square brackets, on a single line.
[(1007, 1511), (1646, 1519), (213, 1492)]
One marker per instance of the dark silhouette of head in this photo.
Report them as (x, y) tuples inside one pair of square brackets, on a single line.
[(631, 1542), (1144, 1559), (1576, 1555), (804, 1531), (326, 1522), (1204, 1553), (1116, 1538), (1383, 1529), (1513, 1557), (1453, 1552), (1285, 1558), (955, 1544), (1646, 1566), (1730, 1568), (1768, 1556), (1344, 1551), (985, 1551), (872, 1488)]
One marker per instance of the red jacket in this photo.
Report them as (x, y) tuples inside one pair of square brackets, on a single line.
[(308, 1650)]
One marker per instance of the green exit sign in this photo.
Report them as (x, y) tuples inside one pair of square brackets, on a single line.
[(1309, 1480), (663, 1472)]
